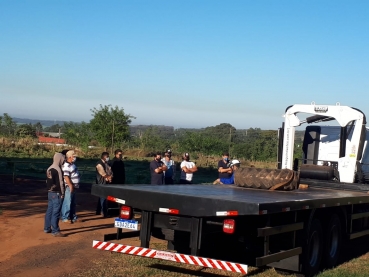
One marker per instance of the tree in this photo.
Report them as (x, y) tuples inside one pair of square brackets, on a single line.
[(110, 125), (26, 130), (78, 134), (8, 126), (54, 128), (151, 140), (222, 131), (38, 127), (200, 142)]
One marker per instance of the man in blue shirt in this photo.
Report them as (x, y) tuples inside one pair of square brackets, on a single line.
[(169, 174), (235, 164), (224, 168)]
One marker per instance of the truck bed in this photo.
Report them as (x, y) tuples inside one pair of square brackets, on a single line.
[(206, 200)]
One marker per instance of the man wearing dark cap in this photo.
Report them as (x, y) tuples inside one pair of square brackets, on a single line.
[(224, 170), (157, 167), (170, 173), (187, 169)]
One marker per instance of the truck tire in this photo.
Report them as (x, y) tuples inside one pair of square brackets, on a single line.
[(263, 178), (313, 249), (333, 241)]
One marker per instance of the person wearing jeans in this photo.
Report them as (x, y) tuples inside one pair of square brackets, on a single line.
[(56, 189), (71, 178), (53, 213), (68, 211)]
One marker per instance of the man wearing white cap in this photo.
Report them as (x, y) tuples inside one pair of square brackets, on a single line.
[(71, 178)]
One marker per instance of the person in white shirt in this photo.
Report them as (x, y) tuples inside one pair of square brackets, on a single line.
[(71, 179), (187, 169)]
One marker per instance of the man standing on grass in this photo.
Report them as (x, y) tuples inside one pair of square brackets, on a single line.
[(71, 178), (56, 188), (170, 173), (187, 169), (157, 167)]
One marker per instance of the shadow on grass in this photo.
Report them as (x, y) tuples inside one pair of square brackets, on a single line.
[(199, 272), (192, 272)]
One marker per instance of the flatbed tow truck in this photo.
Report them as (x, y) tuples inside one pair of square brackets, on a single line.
[(232, 227)]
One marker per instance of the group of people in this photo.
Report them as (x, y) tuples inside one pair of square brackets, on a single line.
[(163, 170), (62, 183), (109, 172)]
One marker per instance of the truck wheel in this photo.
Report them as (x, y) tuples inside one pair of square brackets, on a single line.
[(333, 241), (312, 253)]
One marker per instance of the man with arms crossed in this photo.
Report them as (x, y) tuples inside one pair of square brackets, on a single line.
[(187, 170), (157, 167), (225, 172)]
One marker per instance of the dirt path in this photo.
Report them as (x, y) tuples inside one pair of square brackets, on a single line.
[(27, 251)]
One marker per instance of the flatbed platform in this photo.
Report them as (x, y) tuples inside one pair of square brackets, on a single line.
[(207, 199)]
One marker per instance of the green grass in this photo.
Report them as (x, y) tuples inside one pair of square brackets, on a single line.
[(116, 264), (358, 267), (137, 169)]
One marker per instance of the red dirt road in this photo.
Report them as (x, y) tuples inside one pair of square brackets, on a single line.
[(27, 251)]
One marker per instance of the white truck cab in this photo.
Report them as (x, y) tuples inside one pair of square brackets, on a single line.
[(340, 147)]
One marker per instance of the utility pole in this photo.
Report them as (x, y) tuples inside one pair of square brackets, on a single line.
[(112, 139), (230, 140)]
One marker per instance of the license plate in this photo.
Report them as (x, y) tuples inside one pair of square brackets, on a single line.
[(126, 224)]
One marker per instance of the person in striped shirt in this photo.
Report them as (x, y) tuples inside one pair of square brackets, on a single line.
[(71, 179)]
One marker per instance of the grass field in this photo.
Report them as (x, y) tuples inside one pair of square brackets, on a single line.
[(124, 265), (137, 168)]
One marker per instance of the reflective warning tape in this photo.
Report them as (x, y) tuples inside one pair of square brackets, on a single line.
[(169, 256), (116, 200)]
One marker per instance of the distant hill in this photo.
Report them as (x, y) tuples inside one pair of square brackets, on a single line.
[(44, 123), (135, 130)]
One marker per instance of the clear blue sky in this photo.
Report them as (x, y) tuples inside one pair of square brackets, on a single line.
[(182, 63)]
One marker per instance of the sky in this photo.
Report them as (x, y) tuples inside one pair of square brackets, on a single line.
[(182, 63)]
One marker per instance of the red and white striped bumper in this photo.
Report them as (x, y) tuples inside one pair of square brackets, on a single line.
[(170, 256)]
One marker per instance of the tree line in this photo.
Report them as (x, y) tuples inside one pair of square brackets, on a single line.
[(110, 128)]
